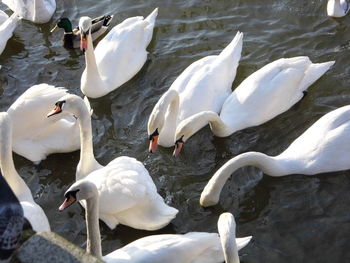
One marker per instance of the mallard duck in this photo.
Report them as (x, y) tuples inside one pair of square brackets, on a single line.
[(71, 37)]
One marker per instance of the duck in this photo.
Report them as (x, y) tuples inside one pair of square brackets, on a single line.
[(204, 85), (266, 93), (127, 192), (32, 211), (7, 26), (71, 38), (337, 8), (322, 148), (125, 44), (171, 248), (11, 221), (35, 136), (37, 11)]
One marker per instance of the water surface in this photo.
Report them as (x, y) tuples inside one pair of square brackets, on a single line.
[(293, 219)]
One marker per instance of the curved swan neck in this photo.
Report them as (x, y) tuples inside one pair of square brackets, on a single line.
[(269, 165), (93, 243), (227, 233), (169, 101), (8, 169), (194, 123)]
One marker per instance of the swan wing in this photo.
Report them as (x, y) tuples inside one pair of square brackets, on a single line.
[(34, 135), (128, 193), (323, 146), (270, 91), (124, 45), (3, 17)]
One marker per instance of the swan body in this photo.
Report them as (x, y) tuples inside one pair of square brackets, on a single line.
[(321, 148), (37, 11), (202, 86), (7, 26), (34, 135), (124, 45), (71, 37), (337, 8), (11, 221), (127, 192), (189, 248), (265, 94), (32, 211)]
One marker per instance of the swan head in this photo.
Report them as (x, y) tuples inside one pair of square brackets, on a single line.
[(80, 190), (155, 124), (183, 132), (84, 28), (69, 104)]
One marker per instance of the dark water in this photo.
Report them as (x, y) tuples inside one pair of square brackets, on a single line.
[(293, 219)]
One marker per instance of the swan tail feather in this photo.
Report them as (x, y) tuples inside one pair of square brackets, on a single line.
[(313, 73), (233, 49), (151, 19), (243, 241)]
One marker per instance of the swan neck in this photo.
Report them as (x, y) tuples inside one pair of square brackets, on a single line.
[(93, 244), (7, 165), (170, 102), (227, 233), (269, 165), (87, 158)]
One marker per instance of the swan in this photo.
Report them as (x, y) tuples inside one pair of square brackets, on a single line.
[(266, 93), (117, 57), (322, 148), (11, 221), (32, 211), (202, 86), (37, 11), (337, 8), (35, 136), (7, 26), (191, 247), (127, 192), (71, 37)]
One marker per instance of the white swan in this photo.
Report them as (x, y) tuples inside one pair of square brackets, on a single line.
[(202, 86), (37, 11), (337, 8), (127, 192), (322, 148), (189, 248), (32, 211), (35, 136), (7, 26), (266, 93), (117, 57)]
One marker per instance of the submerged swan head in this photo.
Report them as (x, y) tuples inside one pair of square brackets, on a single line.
[(80, 190), (184, 131), (84, 28), (70, 104)]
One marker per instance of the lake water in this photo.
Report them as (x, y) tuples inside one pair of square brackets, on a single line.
[(295, 218)]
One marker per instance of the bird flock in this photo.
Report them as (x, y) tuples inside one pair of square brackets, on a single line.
[(122, 191)]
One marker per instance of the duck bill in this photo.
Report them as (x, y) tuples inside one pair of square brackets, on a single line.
[(55, 110), (177, 150), (83, 42), (153, 144), (68, 202), (54, 29)]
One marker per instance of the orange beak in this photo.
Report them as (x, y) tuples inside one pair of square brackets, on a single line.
[(178, 147), (68, 202), (153, 144), (56, 110), (83, 42)]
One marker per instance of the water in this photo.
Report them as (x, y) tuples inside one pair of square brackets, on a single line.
[(293, 219)]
